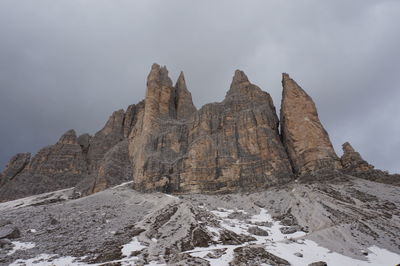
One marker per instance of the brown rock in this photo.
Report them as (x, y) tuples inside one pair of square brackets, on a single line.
[(183, 101), (63, 157), (304, 137), (255, 255), (352, 160), (16, 164), (224, 147), (59, 166), (165, 144), (131, 116)]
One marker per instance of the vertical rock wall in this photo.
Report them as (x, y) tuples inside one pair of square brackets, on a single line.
[(306, 141), (229, 146), (165, 144)]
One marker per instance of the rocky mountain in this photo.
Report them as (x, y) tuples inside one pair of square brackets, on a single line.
[(249, 188), (165, 144)]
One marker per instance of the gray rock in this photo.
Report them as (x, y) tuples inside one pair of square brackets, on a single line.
[(290, 229), (16, 164), (54, 167), (4, 222), (318, 263), (9, 232), (255, 255), (4, 242), (255, 230)]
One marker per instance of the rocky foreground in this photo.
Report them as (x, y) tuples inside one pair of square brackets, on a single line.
[(344, 221)]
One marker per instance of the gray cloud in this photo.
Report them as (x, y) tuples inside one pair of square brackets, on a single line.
[(69, 64)]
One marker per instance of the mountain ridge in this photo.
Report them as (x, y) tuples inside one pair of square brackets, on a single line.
[(164, 143)]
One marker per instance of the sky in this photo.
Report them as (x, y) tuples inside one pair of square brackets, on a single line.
[(69, 64)]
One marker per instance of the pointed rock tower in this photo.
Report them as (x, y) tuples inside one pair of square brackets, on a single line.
[(224, 147), (306, 141), (183, 102), (159, 139), (352, 160)]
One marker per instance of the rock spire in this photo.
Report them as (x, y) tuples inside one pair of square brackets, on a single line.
[(306, 141), (164, 143)]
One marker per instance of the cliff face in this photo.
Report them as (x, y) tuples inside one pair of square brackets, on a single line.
[(224, 147), (165, 144), (306, 141), (90, 164), (54, 167)]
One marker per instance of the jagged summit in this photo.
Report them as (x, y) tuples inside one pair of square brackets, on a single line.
[(352, 160), (239, 78), (183, 99), (305, 139), (69, 137), (158, 76), (181, 82), (165, 144)]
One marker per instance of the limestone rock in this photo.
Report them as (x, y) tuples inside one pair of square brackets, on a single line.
[(352, 160), (224, 147), (131, 116), (255, 255), (9, 232), (84, 142), (184, 103), (165, 144), (306, 141), (16, 164), (63, 157), (105, 139), (353, 164), (115, 168), (61, 165)]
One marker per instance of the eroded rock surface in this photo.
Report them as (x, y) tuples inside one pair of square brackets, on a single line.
[(352, 160), (224, 147), (165, 144), (16, 164), (58, 166), (306, 141)]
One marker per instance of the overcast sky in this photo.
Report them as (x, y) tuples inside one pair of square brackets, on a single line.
[(70, 64)]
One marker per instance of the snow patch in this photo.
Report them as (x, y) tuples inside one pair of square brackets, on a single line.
[(132, 246), (20, 246), (123, 184), (48, 260), (286, 245)]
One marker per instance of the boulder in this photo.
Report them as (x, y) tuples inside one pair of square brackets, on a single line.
[(255, 230), (9, 232), (255, 255)]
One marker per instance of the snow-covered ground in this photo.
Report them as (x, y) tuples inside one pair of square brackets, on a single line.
[(20, 246), (287, 245), (295, 247)]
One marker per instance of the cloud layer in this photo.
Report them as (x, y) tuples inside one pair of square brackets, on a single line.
[(69, 64)]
